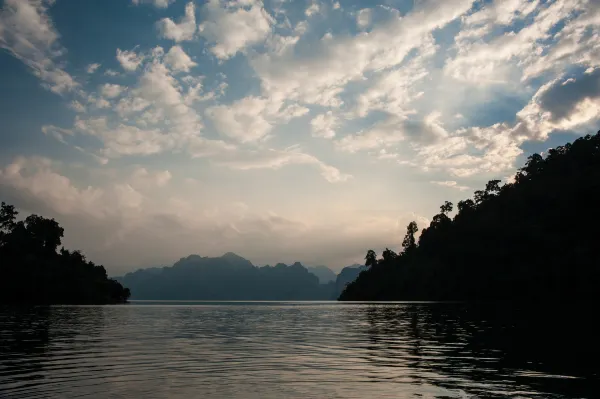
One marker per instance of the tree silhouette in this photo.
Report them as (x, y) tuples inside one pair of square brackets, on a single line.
[(534, 239), (409, 242), (371, 258), (35, 271)]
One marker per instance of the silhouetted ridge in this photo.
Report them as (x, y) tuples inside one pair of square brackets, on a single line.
[(534, 239), (34, 271), (325, 274), (228, 277)]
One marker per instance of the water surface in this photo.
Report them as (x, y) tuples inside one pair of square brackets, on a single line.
[(295, 350)]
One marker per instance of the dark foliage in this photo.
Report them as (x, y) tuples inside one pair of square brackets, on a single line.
[(34, 270), (534, 239)]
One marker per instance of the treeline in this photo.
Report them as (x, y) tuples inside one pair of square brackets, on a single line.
[(534, 239), (34, 271)]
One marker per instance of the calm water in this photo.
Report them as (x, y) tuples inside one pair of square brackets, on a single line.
[(296, 350)]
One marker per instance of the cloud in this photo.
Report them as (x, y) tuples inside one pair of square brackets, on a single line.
[(178, 60), (324, 125), (451, 184), (184, 30), (110, 90), (91, 68), (276, 159), (129, 60), (363, 18), (155, 3), (232, 28), (27, 32), (252, 118), (142, 178), (318, 77), (562, 104), (394, 130), (110, 72), (312, 9), (77, 106), (495, 61)]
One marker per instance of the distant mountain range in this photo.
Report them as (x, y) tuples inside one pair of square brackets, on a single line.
[(325, 274), (231, 277)]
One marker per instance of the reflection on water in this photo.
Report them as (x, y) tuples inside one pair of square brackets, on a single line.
[(297, 350)]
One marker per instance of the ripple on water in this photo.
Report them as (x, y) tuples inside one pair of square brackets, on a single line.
[(263, 350)]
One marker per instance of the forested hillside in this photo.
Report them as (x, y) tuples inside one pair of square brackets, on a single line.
[(534, 239)]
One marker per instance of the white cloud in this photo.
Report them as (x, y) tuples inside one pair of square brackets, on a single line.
[(497, 60), (252, 118), (562, 104), (27, 32), (394, 130), (110, 72), (321, 75), (363, 18), (232, 28), (276, 159), (110, 90), (129, 60), (312, 9), (324, 125), (36, 177), (451, 184), (77, 106), (155, 3), (184, 30), (121, 139), (91, 68), (178, 60)]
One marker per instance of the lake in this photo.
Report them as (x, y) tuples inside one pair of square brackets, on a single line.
[(297, 350)]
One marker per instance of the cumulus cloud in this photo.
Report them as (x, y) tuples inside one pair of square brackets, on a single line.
[(562, 104), (252, 118), (110, 90), (320, 76), (28, 33), (496, 59), (184, 30), (324, 125), (129, 60), (155, 3), (178, 60), (77, 106), (312, 9), (231, 27), (363, 18), (91, 68)]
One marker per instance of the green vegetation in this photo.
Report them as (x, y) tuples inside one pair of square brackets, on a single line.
[(534, 239), (34, 272)]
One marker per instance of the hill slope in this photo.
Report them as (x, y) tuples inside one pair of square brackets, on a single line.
[(229, 277), (534, 239), (325, 274)]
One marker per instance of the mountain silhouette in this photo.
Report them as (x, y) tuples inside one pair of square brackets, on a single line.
[(228, 277), (325, 274)]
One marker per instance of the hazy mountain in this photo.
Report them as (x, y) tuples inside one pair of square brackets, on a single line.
[(228, 277), (325, 274), (346, 276)]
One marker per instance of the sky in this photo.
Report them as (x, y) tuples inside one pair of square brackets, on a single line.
[(280, 130)]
